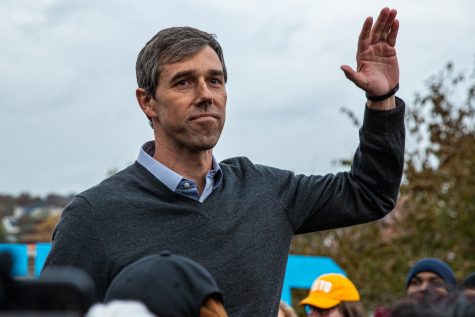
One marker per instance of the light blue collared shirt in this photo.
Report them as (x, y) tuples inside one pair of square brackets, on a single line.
[(174, 181)]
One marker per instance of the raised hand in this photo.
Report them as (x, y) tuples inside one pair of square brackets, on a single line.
[(377, 70)]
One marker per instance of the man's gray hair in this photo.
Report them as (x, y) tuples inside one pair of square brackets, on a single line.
[(169, 46)]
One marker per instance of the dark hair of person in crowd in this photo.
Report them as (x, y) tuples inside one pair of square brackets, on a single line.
[(414, 308), (460, 306), (464, 306), (212, 307), (467, 287), (169, 285), (430, 303)]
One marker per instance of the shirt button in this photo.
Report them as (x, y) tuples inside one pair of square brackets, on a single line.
[(186, 185)]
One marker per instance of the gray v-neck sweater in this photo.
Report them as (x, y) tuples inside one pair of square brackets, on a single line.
[(242, 232)]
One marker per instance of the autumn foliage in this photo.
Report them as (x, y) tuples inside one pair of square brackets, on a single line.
[(435, 214)]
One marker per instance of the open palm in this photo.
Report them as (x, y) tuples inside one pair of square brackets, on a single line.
[(377, 69)]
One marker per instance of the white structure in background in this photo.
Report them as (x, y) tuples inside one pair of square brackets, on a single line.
[(35, 212)]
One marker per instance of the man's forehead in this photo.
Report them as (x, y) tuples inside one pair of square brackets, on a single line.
[(205, 59), (427, 275)]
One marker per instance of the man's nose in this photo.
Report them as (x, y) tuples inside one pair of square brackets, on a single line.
[(204, 94), (424, 286)]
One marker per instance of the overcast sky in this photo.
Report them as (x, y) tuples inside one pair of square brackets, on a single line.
[(67, 79)]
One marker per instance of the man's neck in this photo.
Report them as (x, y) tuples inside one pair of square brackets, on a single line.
[(193, 165)]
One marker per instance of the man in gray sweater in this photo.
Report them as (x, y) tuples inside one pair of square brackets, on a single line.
[(235, 218)]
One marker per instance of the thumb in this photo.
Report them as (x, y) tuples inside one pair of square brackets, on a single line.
[(352, 75), (349, 72)]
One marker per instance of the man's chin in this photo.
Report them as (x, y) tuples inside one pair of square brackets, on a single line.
[(205, 142), (205, 146)]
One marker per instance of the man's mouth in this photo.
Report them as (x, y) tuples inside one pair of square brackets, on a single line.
[(204, 116)]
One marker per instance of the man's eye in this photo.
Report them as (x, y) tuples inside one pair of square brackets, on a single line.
[(415, 282), (437, 283), (215, 81), (182, 83)]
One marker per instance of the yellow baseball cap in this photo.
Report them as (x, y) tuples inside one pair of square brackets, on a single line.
[(329, 290)]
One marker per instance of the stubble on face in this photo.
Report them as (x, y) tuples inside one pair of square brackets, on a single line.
[(424, 282), (203, 127)]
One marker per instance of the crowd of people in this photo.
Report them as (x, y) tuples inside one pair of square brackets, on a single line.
[(430, 291), (173, 285)]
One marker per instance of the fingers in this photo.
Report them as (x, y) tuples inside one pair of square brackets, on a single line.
[(363, 40), (393, 34), (379, 26), (389, 22), (384, 30), (383, 26)]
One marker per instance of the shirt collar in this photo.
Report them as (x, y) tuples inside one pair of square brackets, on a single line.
[(167, 176)]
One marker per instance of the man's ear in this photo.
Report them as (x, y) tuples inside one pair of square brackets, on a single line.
[(146, 102)]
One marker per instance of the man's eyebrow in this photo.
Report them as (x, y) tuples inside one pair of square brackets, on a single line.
[(184, 73), (215, 72), (190, 73)]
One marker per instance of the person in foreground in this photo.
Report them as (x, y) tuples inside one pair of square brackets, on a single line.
[(234, 217), (170, 285), (333, 295)]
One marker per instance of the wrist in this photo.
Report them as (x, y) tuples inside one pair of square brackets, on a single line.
[(390, 93), (386, 104)]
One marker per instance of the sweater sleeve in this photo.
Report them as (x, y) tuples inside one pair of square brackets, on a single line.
[(76, 243), (367, 192)]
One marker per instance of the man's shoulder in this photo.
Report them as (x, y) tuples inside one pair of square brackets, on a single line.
[(111, 195), (234, 162), (243, 166), (239, 164), (116, 184)]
